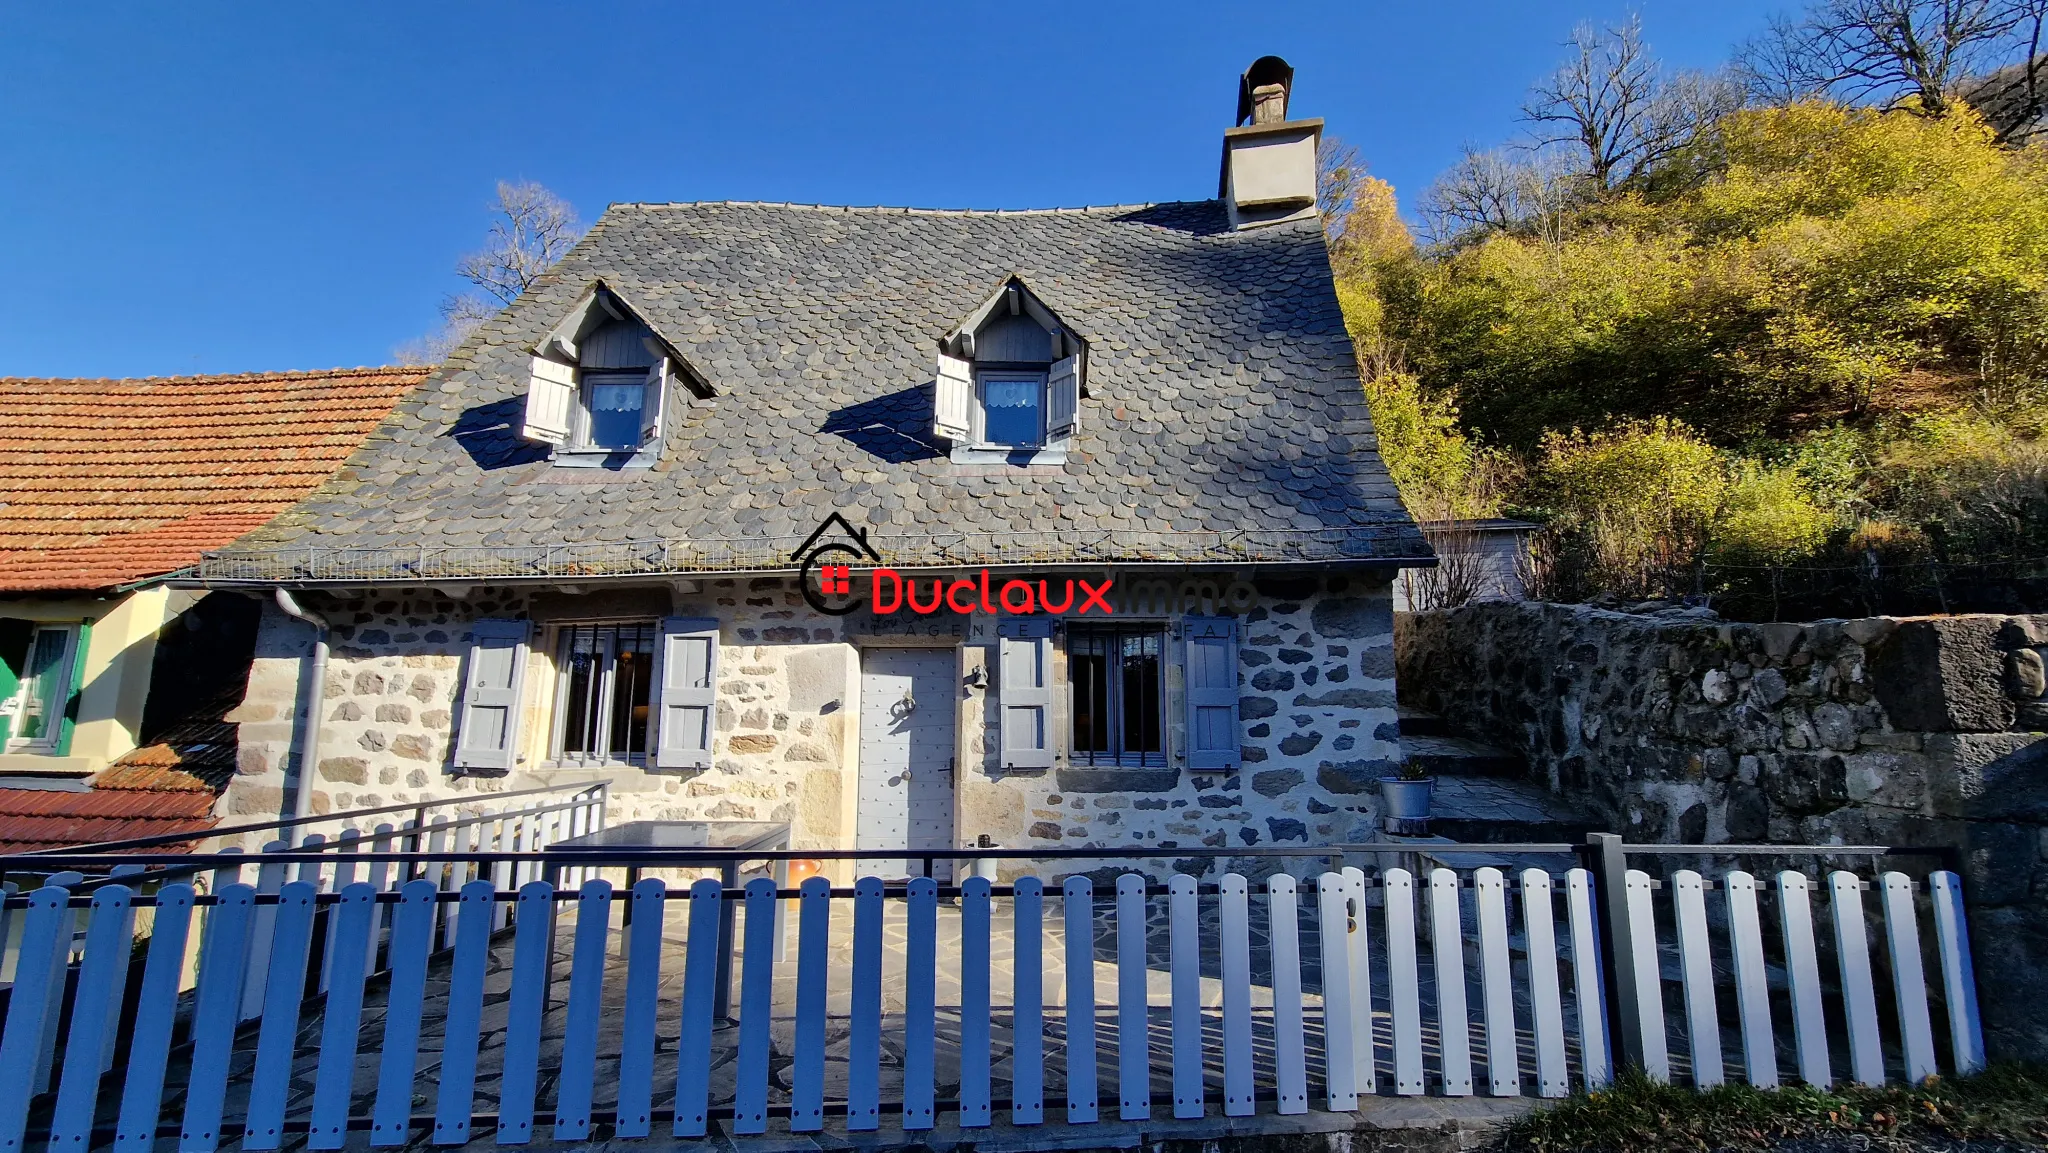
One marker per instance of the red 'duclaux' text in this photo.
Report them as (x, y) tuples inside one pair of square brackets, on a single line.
[(890, 591)]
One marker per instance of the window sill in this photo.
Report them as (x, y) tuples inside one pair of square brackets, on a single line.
[(26, 761), (1108, 779), (592, 766), (1052, 454), (601, 458)]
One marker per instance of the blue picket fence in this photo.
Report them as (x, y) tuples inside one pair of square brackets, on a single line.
[(1280, 995)]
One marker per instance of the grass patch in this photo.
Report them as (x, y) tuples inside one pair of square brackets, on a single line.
[(2006, 1105)]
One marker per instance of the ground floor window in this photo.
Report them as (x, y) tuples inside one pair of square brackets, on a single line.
[(603, 691), (35, 712), (1117, 675)]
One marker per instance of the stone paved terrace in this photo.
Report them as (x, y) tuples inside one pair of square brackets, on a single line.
[(1464, 1117)]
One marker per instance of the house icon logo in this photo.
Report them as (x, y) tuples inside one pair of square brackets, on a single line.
[(825, 565)]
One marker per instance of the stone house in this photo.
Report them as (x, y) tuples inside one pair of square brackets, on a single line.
[(633, 529)]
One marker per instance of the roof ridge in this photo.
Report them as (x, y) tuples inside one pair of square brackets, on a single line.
[(910, 210), (420, 370)]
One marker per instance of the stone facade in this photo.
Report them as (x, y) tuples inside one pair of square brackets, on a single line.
[(1681, 728), (1315, 661)]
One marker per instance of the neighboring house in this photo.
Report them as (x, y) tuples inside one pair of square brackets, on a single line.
[(106, 486), (573, 552), (1483, 559)]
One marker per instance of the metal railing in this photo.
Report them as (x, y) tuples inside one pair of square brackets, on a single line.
[(1362, 967), (915, 548)]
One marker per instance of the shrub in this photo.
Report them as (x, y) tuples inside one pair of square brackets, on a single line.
[(1769, 516), (1627, 507)]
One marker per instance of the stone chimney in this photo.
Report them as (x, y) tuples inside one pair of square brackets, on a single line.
[(1269, 161)]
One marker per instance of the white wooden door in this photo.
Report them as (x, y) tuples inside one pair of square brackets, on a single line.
[(906, 755)]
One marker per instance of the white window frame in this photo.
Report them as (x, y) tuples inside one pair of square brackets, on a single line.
[(982, 376), (17, 705), (587, 379), (557, 639)]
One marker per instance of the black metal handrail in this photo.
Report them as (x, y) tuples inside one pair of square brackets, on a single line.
[(107, 847), (600, 856)]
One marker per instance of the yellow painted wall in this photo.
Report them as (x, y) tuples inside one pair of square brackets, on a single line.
[(116, 675)]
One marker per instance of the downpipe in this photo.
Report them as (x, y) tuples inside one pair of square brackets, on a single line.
[(309, 742)]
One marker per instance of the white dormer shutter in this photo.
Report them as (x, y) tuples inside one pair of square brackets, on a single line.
[(651, 408), (1063, 399), (953, 399), (550, 397)]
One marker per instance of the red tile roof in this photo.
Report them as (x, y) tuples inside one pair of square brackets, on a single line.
[(147, 803), (103, 482)]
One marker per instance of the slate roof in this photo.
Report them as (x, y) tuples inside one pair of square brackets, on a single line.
[(1224, 400), (104, 482)]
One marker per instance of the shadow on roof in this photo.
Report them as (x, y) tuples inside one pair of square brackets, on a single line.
[(1196, 218), (893, 427), (488, 433)]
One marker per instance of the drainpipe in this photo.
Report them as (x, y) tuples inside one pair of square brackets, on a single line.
[(309, 744)]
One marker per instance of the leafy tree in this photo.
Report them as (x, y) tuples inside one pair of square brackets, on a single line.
[(1829, 261)]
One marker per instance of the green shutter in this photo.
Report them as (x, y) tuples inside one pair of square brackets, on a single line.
[(76, 689), (14, 640)]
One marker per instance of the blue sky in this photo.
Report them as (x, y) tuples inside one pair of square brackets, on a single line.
[(212, 187)]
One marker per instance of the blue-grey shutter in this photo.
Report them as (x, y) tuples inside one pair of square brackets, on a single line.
[(1211, 680), (488, 741), (1024, 690), (686, 684)]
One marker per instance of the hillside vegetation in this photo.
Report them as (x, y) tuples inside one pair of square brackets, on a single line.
[(1808, 334)]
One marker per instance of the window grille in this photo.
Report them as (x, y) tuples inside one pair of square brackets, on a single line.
[(601, 703), (1117, 675)]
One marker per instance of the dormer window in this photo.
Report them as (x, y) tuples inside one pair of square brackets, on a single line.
[(1012, 409), (600, 386), (1009, 382)]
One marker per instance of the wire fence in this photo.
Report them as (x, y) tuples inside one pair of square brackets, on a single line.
[(1872, 588)]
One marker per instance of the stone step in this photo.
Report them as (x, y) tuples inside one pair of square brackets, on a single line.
[(1459, 757), (1416, 723), (1495, 811)]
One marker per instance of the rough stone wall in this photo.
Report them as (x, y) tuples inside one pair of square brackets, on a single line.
[(1316, 714), (1316, 667), (1921, 731), (392, 697)]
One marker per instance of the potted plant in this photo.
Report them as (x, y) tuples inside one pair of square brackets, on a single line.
[(1406, 796)]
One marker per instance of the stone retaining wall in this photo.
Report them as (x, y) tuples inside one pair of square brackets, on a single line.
[(1680, 728)]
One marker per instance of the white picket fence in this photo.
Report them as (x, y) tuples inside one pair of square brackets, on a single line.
[(1355, 1021)]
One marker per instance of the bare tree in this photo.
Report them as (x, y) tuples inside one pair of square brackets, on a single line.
[(1340, 171), (1921, 54), (533, 230), (2014, 98), (1500, 191), (1613, 101)]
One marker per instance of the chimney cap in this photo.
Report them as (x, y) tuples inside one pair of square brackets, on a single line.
[(1265, 70)]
